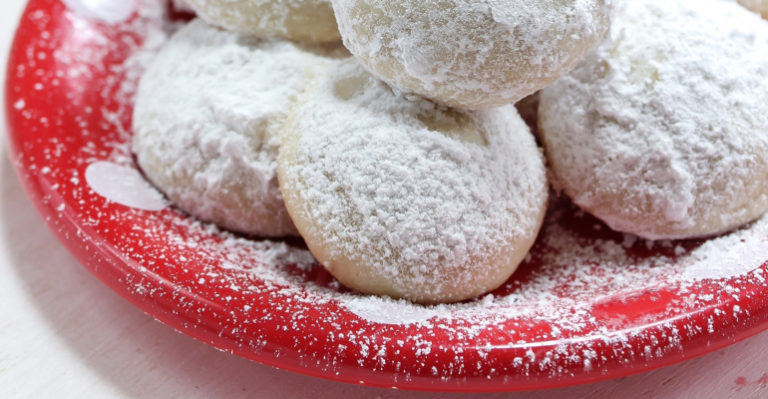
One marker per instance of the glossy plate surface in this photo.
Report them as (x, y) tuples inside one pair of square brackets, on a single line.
[(588, 304)]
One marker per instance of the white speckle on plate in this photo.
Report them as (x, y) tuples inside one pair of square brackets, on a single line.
[(124, 185), (738, 254)]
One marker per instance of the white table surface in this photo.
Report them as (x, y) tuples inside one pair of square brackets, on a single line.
[(65, 335)]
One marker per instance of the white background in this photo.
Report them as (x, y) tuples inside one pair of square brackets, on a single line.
[(65, 335)]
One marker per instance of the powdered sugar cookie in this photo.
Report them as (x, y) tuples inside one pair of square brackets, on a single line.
[(467, 53), (663, 132), (205, 120), (300, 20), (401, 198)]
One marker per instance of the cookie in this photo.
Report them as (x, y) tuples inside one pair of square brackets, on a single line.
[(471, 54), (205, 122), (398, 196), (663, 132)]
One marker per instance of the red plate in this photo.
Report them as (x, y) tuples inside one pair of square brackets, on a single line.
[(588, 304)]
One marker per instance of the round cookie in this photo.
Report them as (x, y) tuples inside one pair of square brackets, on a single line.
[(471, 54), (205, 122), (663, 131), (399, 197), (758, 6), (301, 20)]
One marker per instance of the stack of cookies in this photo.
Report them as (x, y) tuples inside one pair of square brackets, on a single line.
[(399, 157)]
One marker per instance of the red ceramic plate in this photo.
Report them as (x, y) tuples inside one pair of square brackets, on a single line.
[(588, 304)]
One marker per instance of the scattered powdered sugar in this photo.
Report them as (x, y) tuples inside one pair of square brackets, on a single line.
[(149, 20), (734, 254), (663, 131), (468, 53)]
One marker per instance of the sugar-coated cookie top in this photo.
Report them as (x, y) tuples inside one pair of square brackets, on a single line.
[(408, 188), (471, 53), (671, 110)]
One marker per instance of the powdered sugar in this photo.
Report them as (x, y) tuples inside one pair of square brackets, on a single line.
[(662, 131), (737, 254)]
